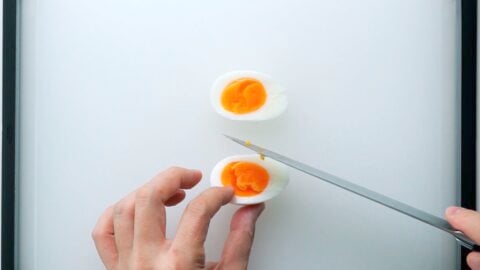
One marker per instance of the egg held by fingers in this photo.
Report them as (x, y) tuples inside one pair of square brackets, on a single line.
[(254, 180)]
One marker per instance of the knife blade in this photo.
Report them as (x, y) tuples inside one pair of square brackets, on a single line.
[(403, 208)]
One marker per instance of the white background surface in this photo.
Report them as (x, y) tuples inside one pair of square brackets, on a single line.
[(114, 91)]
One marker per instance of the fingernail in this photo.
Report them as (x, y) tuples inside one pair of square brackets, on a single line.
[(195, 171), (452, 210), (262, 208), (259, 210), (229, 189), (254, 215)]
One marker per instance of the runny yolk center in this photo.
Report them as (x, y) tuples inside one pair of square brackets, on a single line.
[(246, 178), (243, 96)]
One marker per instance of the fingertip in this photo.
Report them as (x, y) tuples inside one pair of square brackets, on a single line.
[(229, 192), (246, 217), (473, 260), (262, 207), (197, 174), (242, 231), (452, 210), (464, 220), (454, 216), (259, 208), (191, 178), (459, 214), (255, 210)]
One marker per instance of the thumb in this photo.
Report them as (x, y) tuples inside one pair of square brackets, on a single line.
[(240, 239), (465, 220)]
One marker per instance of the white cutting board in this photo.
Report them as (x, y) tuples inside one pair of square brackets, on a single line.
[(111, 92)]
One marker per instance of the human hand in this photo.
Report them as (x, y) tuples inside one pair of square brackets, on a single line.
[(468, 222), (130, 235)]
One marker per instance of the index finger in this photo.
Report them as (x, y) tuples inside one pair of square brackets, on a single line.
[(240, 239), (465, 220), (149, 226), (193, 227), (104, 238)]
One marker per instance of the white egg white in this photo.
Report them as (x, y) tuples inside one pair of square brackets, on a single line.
[(277, 182), (275, 104)]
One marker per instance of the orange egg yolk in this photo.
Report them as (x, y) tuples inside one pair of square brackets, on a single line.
[(243, 96), (246, 178)]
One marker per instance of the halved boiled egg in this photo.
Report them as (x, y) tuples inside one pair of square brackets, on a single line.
[(253, 178), (248, 95)]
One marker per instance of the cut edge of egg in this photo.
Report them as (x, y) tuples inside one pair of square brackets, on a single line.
[(278, 178), (274, 106)]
